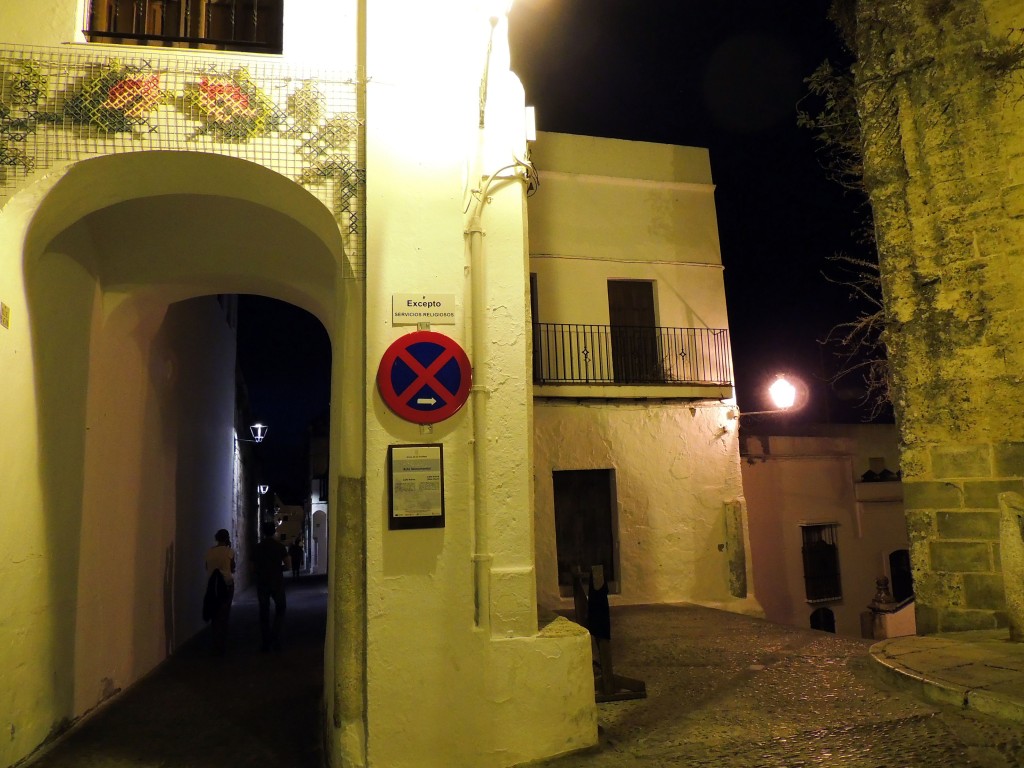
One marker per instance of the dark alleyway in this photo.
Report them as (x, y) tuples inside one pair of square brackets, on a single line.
[(244, 710)]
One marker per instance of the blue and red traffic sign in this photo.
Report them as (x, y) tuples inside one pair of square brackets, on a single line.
[(424, 377)]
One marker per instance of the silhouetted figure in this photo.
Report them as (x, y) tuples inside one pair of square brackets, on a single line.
[(295, 553), (270, 559), (220, 589)]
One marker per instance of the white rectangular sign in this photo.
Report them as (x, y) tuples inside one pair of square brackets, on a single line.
[(416, 477), (413, 308)]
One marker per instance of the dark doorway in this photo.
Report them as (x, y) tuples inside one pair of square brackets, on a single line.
[(824, 620), (634, 334), (585, 529), (901, 575)]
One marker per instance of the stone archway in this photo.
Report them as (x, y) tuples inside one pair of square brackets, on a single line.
[(108, 245)]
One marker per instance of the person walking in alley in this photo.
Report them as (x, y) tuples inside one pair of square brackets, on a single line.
[(295, 553), (271, 560), (220, 588)]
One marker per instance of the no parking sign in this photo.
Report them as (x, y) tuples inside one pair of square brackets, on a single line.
[(424, 377)]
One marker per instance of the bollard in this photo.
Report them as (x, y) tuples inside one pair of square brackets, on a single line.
[(591, 611)]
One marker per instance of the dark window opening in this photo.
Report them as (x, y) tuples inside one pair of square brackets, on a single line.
[(585, 525), (823, 619), (229, 25), (900, 575), (821, 562)]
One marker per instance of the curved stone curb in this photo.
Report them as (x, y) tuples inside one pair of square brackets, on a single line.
[(996, 704), (915, 683), (956, 671)]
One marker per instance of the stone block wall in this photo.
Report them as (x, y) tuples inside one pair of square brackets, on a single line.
[(939, 87), (953, 524)]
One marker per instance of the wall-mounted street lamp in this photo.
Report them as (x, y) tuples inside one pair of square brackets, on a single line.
[(258, 432), (787, 394), (261, 491), (783, 393)]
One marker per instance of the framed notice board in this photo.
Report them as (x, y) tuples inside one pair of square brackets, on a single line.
[(415, 486)]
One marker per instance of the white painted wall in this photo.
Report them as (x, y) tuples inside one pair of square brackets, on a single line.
[(112, 237), (810, 479), (629, 201), (442, 689), (676, 466), (121, 453), (611, 209)]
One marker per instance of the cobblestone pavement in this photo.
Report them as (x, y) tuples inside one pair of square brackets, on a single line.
[(726, 690)]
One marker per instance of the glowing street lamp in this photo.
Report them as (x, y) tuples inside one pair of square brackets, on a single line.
[(258, 432), (782, 392), (786, 395), (261, 490)]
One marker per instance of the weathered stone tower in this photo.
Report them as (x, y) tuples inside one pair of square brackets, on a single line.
[(940, 86)]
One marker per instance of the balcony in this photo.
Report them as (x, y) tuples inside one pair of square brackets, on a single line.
[(228, 25), (626, 361)]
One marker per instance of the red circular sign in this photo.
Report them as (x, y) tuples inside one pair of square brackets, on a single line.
[(424, 377)]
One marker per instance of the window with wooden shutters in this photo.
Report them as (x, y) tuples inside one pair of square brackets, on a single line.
[(229, 25), (821, 562)]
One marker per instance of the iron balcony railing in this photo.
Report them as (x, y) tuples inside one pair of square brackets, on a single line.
[(236, 25), (573, 353)]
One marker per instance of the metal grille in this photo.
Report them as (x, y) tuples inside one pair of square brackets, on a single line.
[(572, 353), (59, 105), (821, 562), (240, 25)]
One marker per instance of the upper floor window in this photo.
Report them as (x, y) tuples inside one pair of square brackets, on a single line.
[(821, 562), (229, 25)]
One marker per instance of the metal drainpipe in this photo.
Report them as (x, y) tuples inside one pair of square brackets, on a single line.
[(476, 343), (476, 347)]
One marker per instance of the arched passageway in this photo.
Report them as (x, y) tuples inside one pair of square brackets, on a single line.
[(134, 388)]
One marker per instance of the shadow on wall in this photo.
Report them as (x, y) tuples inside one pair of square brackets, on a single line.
[(61, 292), (169, 638)]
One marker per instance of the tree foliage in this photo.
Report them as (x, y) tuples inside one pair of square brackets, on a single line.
[(829, 111)]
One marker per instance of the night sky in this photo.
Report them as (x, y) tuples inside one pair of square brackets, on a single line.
[(728, 76), (285, 356), (723, 75)]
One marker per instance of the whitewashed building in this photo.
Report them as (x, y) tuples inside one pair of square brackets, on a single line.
[(636, 459), (826, 522), (333, 154)]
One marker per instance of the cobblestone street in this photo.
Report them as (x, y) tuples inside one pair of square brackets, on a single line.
[(726, 690)]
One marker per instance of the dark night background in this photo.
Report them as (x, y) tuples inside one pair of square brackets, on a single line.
[(723, 75), (285, 356), (728, 76)]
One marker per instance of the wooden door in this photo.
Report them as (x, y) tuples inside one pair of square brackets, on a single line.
[(635, 358), (585, 532)]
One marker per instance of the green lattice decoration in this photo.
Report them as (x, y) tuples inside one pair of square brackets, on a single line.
[(59, 105)]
